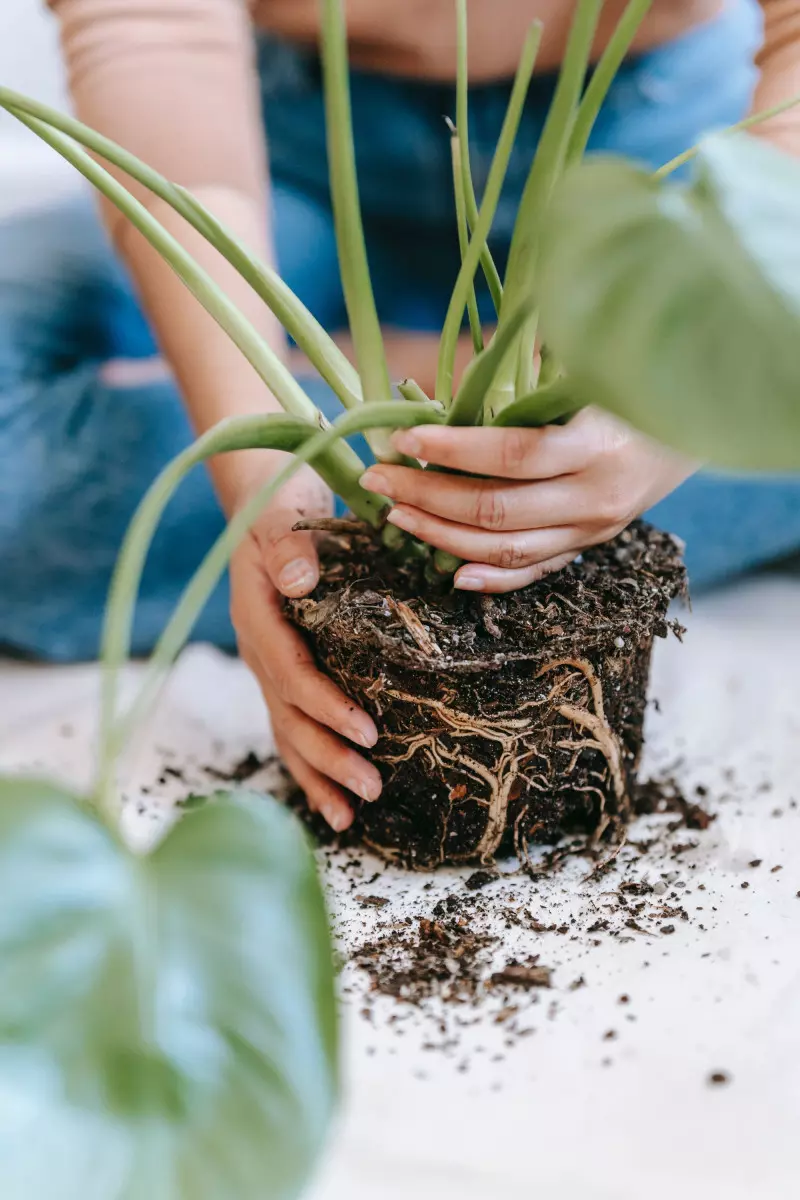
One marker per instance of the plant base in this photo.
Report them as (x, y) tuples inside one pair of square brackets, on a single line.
[(503, 719)]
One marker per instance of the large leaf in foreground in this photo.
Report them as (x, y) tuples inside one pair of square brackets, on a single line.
[(679, 309), (167, 1025)]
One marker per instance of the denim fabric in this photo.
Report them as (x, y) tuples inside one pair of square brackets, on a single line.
[(76, 454)]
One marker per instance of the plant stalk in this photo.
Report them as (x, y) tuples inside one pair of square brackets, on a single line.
[(548, 163), (463, 238), (750, 122), (341, 471), (494, 184), (604, 75), (462, 126), (299, 322), (359, 298), (397, 414)]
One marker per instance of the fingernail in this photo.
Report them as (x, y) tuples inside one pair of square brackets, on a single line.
[(338, 819), (297, 576), (363, 788), (407, 442), (361, 735), (469, 581), (373, 481), (403, 519)]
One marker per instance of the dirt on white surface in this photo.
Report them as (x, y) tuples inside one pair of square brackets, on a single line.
[(664, 1058)]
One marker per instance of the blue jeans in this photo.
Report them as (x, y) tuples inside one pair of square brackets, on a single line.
[(77, 452)]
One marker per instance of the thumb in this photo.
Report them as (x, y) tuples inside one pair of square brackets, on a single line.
[(289, 557)]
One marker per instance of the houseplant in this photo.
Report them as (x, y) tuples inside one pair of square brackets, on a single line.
[(512, 724), (166, 1022)]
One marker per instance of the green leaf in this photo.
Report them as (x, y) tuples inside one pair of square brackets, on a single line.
[(679, 309), (167, 1023)]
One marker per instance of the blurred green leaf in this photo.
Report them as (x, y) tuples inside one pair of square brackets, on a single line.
[(679, 309), (167, 1023)]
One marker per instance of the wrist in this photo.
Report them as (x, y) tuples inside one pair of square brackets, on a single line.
[(239, 476)]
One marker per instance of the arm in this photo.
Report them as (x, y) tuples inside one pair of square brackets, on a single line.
[(174, 82), (779, 64)]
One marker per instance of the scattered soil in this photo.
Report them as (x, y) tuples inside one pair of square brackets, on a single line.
[(504, 720)]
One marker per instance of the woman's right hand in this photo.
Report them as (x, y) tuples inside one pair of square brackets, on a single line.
[(315, 725)]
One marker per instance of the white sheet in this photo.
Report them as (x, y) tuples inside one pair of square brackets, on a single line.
[(551, 1120)]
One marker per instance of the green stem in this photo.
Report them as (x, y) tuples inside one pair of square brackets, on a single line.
[(469, 403), (494, 184), (463, 240), (766, 114), (604, 75), (462, 126), (359, 298), (242, 333), (545, 170), (397, 414), (302, 326), (341, 471), (409, 389)]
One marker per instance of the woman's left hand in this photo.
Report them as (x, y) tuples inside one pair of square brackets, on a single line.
[(531, 499)]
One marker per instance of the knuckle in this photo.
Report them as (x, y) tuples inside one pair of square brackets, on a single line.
[(611, 508), (515, 448), (490, 509), (511, 554)]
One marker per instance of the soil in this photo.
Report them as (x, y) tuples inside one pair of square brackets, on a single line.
[(503, 720)]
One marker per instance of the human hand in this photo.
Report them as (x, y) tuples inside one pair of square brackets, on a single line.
[(540, 496), (315, 725)]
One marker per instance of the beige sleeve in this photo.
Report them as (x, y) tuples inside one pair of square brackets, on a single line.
[(779, 62), (173, 82)]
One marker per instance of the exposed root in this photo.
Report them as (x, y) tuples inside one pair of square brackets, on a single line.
[(604, 739), (514, 754), (500, 781), (606, 863), (489, 623), (415, 627), (329, 525)]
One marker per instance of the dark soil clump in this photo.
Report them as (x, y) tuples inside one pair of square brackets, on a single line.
[(502, 720)]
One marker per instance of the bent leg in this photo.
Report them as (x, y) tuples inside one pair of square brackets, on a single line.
[(88, 416), (732, 525)]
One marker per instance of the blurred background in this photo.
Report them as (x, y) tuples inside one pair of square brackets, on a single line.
[(30, 174)]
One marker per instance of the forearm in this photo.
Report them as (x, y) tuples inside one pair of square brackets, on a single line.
[(174, 82), (215, 379), (779, 63)]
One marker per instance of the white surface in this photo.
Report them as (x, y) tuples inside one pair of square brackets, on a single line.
[(550, 1120)]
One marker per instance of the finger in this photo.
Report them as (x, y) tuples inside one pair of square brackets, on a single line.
[(480, 577), (322, 795), (484, 503), (502, 453), (507, 550), (326, 753), (283, 664), (290, 558)]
